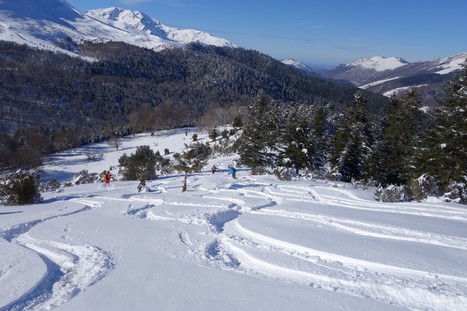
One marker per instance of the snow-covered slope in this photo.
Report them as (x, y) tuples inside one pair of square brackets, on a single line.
[(371, 70), (378, 63), (251, 243), (301, 66), (393, 75), (449, 64), (48, 24), (138, 22), (294, 63)]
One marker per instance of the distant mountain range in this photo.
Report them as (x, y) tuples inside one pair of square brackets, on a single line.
[(393, 75), (52, 24), (56, 25)]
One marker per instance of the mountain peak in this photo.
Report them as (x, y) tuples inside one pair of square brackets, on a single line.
[(46, 23), (300, 66), (128, 20), (379, 63), (119, 14), (294, 63)]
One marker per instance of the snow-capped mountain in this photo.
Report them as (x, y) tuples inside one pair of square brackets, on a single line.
[(368, 71), (301, 66), (47, 24), (391, 75), (449, 64), (137, 22), (378, 63)]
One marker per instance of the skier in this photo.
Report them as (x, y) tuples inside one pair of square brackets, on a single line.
[(213, 169), (107, 177), (142, 185), (232, 171)]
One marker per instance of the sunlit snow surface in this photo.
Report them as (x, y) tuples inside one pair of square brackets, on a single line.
[(379, 63), (251, 243)]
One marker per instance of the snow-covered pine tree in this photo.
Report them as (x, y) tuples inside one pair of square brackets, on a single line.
[(351, 146), (256, 146), (295, 139), (445, 156)]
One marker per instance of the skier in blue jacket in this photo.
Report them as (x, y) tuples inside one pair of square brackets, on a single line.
[(232, 171)]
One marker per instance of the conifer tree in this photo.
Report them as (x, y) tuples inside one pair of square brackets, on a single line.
[(257, 145), (445, 157), (318, 137), (140, 165), (296, 141), (399, 134), (351, 148)]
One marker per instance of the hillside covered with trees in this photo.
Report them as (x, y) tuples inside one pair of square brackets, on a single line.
[(51, 101)]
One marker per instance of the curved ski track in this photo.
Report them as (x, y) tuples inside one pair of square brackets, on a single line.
[(70, 268), (236, 248)]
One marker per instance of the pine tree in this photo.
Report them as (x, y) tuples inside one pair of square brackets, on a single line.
[(351, 148), (445, 156), (399, 134), (296, 140), (319, 137), (257, 143), (139, 166)]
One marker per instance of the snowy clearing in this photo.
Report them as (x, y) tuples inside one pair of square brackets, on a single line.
[(251, 243)]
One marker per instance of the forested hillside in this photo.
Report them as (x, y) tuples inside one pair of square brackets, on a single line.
[(64, 101), (54, 90)]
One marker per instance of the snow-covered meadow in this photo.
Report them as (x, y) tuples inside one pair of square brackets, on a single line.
[(251, 243)]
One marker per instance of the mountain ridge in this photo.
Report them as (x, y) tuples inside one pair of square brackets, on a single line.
[(393, 75), (47, 24)]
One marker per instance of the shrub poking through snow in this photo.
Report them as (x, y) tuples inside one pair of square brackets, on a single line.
[(392, 194), (83, 177), (20, 188), (422, 187), (283, 173), (457, 192), (52, 185)]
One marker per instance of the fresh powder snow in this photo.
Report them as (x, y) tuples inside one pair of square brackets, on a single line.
[(251, 243)]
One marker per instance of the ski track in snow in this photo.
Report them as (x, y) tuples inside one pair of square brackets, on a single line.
[(70, 268), (349, 200), (211, 232), (248, 252)]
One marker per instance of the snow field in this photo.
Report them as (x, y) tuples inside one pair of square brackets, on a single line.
[(233, 244)]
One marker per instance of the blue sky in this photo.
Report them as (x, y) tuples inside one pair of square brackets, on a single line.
[(324, 33)]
